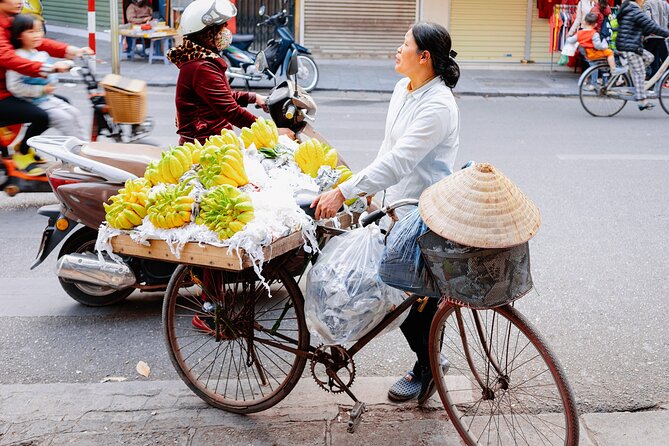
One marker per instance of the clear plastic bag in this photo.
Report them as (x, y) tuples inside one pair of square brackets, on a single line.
[(345, 296), (402, 265)]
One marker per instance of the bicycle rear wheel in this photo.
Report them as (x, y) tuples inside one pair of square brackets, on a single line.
[(232, 344), (663, 92), (504, 386), (598, 99)]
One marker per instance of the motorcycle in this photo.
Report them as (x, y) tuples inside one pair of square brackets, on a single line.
[(278, 53), (13, 180), (88, 174)]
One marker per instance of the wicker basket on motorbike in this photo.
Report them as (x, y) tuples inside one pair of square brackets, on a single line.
[(477, 250), (126, 99)]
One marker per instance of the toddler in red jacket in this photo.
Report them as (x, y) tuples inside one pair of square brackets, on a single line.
[(595, 47)]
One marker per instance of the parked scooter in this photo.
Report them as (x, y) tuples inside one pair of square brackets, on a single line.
[(90, 173), (241, 61)]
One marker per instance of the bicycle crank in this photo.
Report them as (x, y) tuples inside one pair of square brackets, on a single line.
[(325, 366)]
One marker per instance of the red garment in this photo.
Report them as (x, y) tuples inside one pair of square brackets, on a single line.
[(205, 103), (10, 61), (600, 16), (584, 37)]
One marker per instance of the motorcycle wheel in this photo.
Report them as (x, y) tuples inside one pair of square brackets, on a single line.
[(307, 73), (83, 240)]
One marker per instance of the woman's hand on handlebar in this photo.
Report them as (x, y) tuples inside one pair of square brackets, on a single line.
[(61, 66), (261, 102), (328, 203), (73, 52)]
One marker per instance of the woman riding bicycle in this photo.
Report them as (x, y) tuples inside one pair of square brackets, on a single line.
[(205, 102), (633, 25), (17, 111), (419, 149)]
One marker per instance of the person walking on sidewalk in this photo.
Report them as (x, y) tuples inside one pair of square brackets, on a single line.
[(17, 111), (633, 25), (421, 142), (205, 102)]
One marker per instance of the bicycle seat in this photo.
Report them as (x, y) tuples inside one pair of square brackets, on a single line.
[(132, 158)]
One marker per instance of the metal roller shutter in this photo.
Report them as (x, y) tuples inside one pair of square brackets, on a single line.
[(350, 28), (489, 31), (75, 13)]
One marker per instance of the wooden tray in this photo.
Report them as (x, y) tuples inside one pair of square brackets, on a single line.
[(205, 255)]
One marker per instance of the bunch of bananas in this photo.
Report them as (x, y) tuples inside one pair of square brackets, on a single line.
[(172, 165), (171, 207), (226, 138), (312, 154), (222, 165), (263, 133), (195, 148), (128, 207), (225, 210), (345, 174)]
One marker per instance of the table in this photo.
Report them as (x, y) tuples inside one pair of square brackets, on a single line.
[(161, 37)]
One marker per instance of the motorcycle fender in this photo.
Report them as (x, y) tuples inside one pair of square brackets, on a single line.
[(301, 49), (52, 236)]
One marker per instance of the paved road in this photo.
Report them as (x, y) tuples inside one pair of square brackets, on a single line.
[(599, 260)]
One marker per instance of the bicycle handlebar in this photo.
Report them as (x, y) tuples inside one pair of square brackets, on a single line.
[(379, 213)]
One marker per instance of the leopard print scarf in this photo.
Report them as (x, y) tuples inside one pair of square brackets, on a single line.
[(188, 51)]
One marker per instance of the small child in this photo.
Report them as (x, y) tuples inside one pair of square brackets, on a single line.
[(595, 47), (26, 35)]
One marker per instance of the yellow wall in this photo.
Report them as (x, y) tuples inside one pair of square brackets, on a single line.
[(483, 30)]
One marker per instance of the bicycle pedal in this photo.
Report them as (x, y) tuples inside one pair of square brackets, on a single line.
[(356, 415)]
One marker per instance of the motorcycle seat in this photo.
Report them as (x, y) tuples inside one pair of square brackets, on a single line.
[(242, 38), (132, 158)]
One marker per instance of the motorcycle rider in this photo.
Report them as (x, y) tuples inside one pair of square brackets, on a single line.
[(17, 111), (205, 102)]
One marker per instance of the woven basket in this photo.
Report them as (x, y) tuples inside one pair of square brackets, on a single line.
[(126, 99), (475, 277)]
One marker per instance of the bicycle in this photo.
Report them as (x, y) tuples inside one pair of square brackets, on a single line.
[(603, 95), (243, 352)]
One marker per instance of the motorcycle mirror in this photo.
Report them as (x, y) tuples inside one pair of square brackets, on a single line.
[(261, 10), (292, 65), (261, 62)]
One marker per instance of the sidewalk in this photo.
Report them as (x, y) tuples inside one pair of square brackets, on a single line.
[(366, 75), (167, 412)]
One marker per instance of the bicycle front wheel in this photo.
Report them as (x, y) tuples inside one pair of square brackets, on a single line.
[(663, 92), (601, 97), (504, 386), (235, 346)]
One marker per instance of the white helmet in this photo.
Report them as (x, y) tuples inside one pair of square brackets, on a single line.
[(203, 13)]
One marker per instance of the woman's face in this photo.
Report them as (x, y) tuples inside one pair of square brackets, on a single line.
[(407, 58), (32, 38), (11, 7)]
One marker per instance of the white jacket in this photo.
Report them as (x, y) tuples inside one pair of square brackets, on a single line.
[(421, 142)]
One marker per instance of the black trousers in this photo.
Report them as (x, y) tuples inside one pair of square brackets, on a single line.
[(416, 330), (658, 48), (17, 111)]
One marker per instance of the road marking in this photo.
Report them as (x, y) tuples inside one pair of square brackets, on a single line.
[(613, 157)]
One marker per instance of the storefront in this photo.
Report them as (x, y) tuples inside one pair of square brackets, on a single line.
[(350, 28), (499, 31)]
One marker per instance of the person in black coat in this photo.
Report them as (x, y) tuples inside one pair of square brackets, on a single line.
[(633, 25)]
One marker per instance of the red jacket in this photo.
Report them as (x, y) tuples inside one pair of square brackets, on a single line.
[(10, 61), (205, 103)]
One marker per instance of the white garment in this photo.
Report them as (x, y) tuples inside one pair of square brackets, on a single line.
[(421, 141), (582, 9), (63, 117)]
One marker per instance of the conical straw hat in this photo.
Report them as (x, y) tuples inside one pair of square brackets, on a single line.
[(479, 207)]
